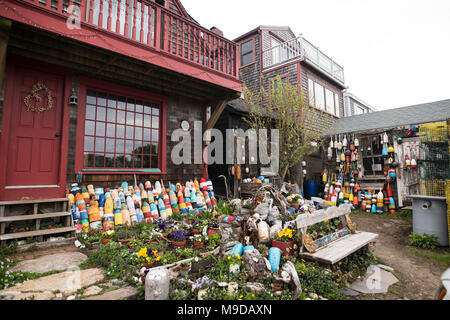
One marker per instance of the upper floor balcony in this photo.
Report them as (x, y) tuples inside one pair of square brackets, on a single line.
[(301, 48), (141, 29)]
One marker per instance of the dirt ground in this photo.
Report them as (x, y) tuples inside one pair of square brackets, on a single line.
[(419, 276)]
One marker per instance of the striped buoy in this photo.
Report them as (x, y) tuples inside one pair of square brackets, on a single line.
[(162, 209), (118, 218), (154, 211)]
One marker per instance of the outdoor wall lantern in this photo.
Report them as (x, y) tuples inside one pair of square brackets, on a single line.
[(73, 99)]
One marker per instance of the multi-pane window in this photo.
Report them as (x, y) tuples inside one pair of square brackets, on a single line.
[(120, 132), (358, 109), (323, 98), (247, 55)]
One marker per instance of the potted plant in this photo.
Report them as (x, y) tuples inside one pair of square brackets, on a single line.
[(286, 241), (213, 227), (165, 226), (277, 286), (295, 200), (148, 257), (199, 241), (184, 268), (124, 235), (179, 238), (244, 274), (197, 226), (134, 243), (107, 236)]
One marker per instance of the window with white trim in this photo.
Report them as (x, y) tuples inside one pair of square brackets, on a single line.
[(323, 98)]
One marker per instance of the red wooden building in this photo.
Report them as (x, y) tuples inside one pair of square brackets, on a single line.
[(93, 89)]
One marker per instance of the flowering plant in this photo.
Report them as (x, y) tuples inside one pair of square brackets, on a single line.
[(198, 224), (199, 238), (165, 225), (234, 259), (107, 234), (213, 224), (179, 236), (286, 235), (294, 198), (202, 283), (148, 256)]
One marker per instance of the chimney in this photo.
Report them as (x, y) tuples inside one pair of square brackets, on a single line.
[(217, 31)]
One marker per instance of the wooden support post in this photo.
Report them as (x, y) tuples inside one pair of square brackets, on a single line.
[(216, 114), (5, 26), (2, 224)]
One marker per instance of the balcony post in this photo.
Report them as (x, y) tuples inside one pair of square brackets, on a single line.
[(5, 26), (158, 28)]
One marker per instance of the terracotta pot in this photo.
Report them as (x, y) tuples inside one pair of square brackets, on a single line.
[(244, 276), (196, 231), (198, 245), (213, 231), (154, 242), (165, 234), (179, 244), (125, 240), (283, 246), (148, 265), (294, 205), (106, 241), (277, 286)]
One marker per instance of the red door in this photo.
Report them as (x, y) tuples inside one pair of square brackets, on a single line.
[(35, 102)]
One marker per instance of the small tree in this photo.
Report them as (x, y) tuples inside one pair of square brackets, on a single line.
[(299, 125)]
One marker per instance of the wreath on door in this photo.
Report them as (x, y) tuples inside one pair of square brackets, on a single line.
[(38, 87)]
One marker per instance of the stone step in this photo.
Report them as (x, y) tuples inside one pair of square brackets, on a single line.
[(125, 293)]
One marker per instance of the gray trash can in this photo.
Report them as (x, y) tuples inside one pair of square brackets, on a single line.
[(430, 217)]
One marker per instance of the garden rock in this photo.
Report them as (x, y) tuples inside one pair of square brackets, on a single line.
[(255, 264), (66, 282), (127, 293), (91, 291), (59, 261), (47, 295), (263, 231), (157, 284), (254, 286)]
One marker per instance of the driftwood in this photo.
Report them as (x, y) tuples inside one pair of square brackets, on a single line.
[(289, 275), (278, 199)]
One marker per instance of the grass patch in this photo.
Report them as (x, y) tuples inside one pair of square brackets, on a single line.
[(443, 258), (401, 214)]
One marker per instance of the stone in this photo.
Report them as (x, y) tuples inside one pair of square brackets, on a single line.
[(232, 288), (254, 286), (255, 264), (349, 292), (71, 297), (59, 261), (125, 293), (29, 256), (201, 294), (91, 291), (313, 296), (376, 280), (8, 297), (66, 282), (59, 295), (58, 298), (387, 268), (157, 284), (34, 296)]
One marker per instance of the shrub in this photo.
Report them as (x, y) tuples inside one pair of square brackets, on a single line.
[(425, 241)]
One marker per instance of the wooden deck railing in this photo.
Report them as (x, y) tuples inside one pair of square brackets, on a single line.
[(149, 24)]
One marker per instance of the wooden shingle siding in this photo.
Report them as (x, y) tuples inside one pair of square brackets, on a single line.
[(250, 74)]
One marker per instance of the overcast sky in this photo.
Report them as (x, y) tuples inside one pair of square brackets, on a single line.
[(395, 53)]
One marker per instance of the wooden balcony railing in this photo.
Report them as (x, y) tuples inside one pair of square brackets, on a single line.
[(302, 48), (148, 24)]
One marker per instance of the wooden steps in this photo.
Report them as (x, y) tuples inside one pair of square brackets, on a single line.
[(35, 233), (37, 210), (34, 216)]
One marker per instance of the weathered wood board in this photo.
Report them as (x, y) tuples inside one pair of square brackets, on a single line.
[(341, 248), (305, 220)]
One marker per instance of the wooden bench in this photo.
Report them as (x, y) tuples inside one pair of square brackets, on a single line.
[(336, 246)]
